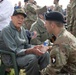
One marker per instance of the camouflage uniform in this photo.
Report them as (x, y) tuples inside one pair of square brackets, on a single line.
[(58, 8), (68, 16), (62, 55), (42, 33), (31, 15), (73, 18)]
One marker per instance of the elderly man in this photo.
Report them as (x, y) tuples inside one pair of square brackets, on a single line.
[(28, 56), (63, 51)]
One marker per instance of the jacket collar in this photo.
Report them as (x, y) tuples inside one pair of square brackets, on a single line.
[(61, 32)]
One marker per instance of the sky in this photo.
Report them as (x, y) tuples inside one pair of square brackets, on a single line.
[(44, 2)]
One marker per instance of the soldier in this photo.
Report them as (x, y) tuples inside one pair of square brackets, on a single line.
[(31, 14), (68, 15), (38, 26), (73, 17), (63, 51), (25, 5), (57, 7)]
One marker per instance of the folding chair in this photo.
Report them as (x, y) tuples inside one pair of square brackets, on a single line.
[(3, 67)]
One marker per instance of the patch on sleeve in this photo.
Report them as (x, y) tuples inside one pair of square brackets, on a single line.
[(53, 60)]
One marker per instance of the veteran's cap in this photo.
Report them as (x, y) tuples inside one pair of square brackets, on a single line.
[(19, 11), (54, 16)]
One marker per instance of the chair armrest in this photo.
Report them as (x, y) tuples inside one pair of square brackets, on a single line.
[(7, 52), (13, 56)]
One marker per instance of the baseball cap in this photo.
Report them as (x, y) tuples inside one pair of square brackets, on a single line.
[(19, 11)]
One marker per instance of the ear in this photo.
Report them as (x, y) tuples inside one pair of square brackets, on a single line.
[(11, 17), (52, 25)]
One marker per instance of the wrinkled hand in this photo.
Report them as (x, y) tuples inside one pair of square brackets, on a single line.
[(37, 51), (41, 48)]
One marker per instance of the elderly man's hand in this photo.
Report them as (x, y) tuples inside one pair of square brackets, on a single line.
[(34, 50), (38, 50), (41, 48)]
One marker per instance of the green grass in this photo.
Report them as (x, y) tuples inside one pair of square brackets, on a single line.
[(21, 72)]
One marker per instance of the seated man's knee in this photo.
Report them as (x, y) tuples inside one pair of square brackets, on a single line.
[(33, 60)]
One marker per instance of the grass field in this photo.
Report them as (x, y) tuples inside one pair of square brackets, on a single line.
[(12, 71), (21, 72)]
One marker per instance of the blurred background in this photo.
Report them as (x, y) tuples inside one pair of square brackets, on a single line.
[(44, 2)]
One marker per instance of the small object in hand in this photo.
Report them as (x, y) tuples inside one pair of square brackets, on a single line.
[(46, 43), (43, 48)]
